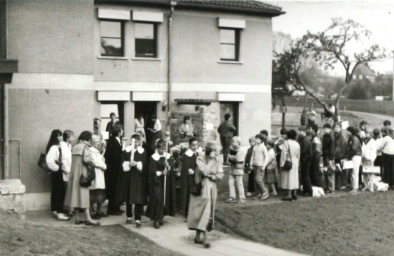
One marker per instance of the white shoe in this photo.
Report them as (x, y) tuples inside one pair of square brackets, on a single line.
[(62, 217)]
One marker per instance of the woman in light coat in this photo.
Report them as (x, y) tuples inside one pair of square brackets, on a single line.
[(202, 207), (97, 189), (78, 197), (289, 179)]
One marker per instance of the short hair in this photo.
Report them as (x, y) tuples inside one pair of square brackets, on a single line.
[(209, 147), (291, 134), (112, 114), (136, 136), (283, 131), (192, 139), (259, 136), (386, 122), (237, 139), (315, 128), (85, 136), (185, 118), (67, 134), (227, 116), (264, 132), (352, 130), (376, 132), (160, 143), (117, 129)]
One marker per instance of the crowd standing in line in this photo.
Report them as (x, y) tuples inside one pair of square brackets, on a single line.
[(149, 171)]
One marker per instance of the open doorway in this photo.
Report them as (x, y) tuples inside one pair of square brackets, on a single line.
[(233, 109), (111, 107)]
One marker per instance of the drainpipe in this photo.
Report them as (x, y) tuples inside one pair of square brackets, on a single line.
[(169, 64), (6, 133)]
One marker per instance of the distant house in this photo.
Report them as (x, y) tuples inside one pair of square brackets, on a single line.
[(363, 71)]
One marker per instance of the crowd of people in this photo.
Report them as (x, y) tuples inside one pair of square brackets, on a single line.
[(153, 177), (150, 176), (314, 161)]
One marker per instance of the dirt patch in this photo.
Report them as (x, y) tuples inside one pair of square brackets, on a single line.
[(23, 238), (347, 225)]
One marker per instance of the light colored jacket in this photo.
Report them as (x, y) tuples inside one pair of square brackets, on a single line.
[(51, 158), (369, 152), (99, 164), (66, 159)]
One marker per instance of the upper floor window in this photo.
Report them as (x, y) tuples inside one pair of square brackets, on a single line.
[(229, 44), (112, 38), (145, 35)]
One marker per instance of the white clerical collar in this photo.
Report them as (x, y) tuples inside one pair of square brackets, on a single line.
[(140, 149), (190, 152), (156, 156)]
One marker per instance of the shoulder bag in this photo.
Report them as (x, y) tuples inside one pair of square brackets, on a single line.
[(288, 163), (91, 174)]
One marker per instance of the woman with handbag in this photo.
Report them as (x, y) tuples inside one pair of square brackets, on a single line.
[(53, 160), (202, 207), (289, 162), (77, 191)]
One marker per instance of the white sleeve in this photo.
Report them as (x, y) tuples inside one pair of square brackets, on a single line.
[(52, 157), (66, 158)]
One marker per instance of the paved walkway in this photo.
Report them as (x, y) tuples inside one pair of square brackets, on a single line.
[(175, 236)]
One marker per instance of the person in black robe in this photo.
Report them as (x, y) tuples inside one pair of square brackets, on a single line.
[(187, 174), (160, 166), (133, 188), (113, 160)]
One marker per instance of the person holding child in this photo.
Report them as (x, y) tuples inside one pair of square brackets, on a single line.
[(236, 172)]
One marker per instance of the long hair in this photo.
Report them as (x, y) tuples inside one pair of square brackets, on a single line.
[(53, 139)]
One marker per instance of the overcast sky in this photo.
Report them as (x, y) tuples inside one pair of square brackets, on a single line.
[(377, 16)]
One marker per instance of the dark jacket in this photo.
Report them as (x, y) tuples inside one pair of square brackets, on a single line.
[(306, 148), (248, 157), (110, 127), (226, 129), (353, 147), (340, 145), (328, 146)]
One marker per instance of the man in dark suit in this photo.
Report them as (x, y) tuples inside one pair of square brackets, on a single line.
[(226, 131), (111, 124)]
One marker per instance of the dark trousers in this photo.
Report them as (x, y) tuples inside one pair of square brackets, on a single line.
[(316, 172), (306, 166), (58, 192), (226, 142), (138, 211), (388, 169), (251, 182)]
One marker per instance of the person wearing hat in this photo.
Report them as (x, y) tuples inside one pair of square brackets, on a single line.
[(328, 154)]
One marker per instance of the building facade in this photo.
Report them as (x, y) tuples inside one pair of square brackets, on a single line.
[(82, 59)]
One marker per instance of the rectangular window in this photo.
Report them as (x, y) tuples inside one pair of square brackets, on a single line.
[(111, 35), (229, 44), (145, 40)]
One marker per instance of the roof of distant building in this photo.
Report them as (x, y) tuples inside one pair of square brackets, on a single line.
[(242, 6)]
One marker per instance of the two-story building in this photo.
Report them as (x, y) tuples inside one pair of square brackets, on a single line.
[(81, 59)]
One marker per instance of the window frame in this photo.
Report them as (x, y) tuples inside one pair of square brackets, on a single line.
[(122, 34), (155, 39), (237, 44)]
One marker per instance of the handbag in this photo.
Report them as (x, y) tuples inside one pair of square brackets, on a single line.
[(91, 174), (42, 163), (288, 163)]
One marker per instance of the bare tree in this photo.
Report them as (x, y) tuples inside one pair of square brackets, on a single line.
[(339, 44)]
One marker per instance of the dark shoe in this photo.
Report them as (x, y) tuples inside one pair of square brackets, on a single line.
[(96, 217), (156, 224), (161, 222), (129, 221), (88, 223), (294, 197), (287, 199), (79, 222), (207, 245), (198, 241)]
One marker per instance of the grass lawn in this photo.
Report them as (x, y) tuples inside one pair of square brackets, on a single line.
[(346, 225), (23, 238)]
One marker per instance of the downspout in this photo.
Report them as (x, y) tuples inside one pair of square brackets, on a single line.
[(5, 107), (169, 64)]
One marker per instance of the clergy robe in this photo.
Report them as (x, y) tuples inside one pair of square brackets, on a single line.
[(188, 162)]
